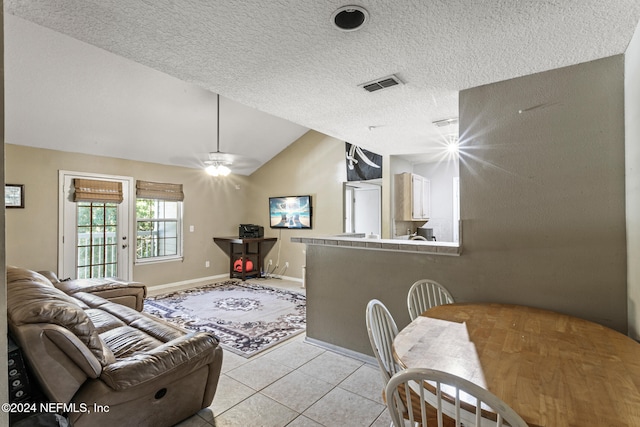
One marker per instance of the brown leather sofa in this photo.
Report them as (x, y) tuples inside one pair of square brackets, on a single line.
[(111, 365)]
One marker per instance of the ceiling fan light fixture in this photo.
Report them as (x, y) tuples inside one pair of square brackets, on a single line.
[(217, 169)]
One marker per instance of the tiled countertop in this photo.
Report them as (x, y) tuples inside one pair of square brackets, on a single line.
[(437, 248)]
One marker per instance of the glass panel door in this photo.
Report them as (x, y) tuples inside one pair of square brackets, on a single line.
[(97, 240), (93, 239)]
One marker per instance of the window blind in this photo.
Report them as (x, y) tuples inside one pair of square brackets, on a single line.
[(159, 190), (91, 190)]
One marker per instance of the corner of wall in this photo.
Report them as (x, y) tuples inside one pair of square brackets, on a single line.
[(632, 179)]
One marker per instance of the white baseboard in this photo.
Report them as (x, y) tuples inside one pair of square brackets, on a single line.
[(194, 283), (185, 284), (344, 351), (289, 278)]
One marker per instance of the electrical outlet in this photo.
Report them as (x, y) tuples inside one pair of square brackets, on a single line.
[(286, 264), (207, 264), (270, 261)]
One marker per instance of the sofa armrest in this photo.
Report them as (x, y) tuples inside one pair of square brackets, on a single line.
[(74, 349), (195, 349), (58, 359), (130, 294)]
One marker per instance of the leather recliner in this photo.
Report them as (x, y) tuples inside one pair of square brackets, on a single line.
[(111, 364)]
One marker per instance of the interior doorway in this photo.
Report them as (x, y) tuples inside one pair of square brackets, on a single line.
[(362, 208)]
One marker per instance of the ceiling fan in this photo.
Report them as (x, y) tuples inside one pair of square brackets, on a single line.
[(219, 163)]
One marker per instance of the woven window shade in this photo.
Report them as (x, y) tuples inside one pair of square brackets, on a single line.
[(159, 190), (91, 190)]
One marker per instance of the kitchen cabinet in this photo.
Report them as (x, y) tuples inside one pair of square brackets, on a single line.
[(412, 197)]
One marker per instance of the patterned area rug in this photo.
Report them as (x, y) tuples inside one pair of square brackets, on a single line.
[(248, 318)]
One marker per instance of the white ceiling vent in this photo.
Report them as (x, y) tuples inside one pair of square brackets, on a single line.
[(382, 83)]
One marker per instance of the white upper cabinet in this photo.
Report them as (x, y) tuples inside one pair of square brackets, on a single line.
[(421, 197), (412, 197)]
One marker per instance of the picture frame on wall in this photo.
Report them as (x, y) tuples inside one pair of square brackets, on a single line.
[(14, 196)]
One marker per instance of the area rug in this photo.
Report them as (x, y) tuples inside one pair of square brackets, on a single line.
[(247, 317)]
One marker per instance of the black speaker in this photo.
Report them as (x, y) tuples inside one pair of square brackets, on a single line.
[(19, 387)]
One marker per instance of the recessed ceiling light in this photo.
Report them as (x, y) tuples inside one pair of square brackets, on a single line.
[(349, 18)]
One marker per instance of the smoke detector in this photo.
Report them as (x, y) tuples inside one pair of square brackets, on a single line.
[(446, 122), (349, 18)]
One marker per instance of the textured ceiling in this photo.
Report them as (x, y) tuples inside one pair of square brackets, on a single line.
[(285, 58)]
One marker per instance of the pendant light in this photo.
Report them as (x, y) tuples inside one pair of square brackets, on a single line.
[(218, 163)]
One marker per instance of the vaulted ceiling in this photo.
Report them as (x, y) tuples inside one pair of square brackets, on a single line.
[(137, 79)]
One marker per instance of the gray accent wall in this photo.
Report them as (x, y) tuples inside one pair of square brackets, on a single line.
[(542, 210)]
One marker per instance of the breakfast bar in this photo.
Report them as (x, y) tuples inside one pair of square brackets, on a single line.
[(344, 272), (417, 246)]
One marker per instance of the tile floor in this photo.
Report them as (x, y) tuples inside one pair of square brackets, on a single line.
[(295, 384)]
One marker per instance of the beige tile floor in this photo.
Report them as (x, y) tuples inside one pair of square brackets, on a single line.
[(295, 384)]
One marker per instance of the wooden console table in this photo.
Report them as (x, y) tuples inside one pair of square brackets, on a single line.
[(245, 249)]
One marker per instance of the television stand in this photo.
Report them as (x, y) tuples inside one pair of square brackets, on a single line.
[(246, 249)]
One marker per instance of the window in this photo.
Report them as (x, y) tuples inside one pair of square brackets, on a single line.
[(158, 221), (158, 229)]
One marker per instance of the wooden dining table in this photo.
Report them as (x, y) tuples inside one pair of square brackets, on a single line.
[(553, 369)]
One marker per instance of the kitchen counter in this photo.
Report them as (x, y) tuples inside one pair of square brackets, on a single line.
[(420, 246)]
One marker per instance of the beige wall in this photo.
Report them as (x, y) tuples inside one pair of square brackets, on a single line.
[(213, 206), (542, 206), (315, 165), (632, 136)]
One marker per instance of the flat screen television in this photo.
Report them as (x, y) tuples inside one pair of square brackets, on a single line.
[(290, 212)]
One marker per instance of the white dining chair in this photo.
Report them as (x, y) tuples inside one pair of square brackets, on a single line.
[(382, 329), (480, 407), (425, 294)]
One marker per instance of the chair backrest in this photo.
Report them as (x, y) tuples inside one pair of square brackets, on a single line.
[(454, 398), (382, 330), (425, 294)]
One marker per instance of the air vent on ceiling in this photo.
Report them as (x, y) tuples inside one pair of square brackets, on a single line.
[(382, 83)]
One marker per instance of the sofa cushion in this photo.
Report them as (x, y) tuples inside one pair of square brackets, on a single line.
[(31, 298), (126, 341), (162, 331), (102, 320)]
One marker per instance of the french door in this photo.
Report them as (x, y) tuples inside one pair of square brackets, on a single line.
[(94, 237)]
